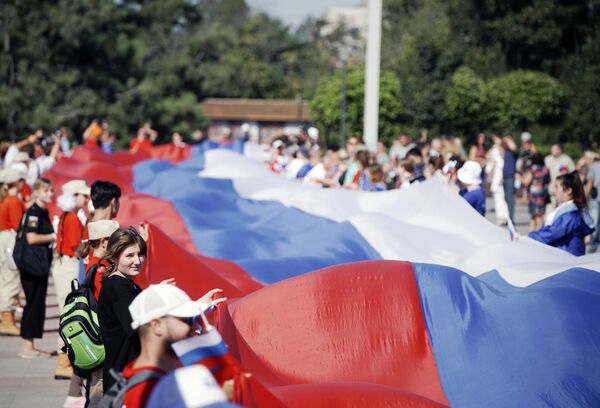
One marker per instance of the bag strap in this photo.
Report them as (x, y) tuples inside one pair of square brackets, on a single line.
[(142, 376), (22, 223), (75, 285), (62, 233), (89, 277)]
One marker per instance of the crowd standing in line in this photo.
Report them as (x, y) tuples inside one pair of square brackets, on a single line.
[(139, 326), (84, 240)]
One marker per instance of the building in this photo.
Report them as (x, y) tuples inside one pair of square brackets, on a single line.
[(265, 118), (354, 17)]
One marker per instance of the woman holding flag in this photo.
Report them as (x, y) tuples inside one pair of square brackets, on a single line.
[(567, 227)]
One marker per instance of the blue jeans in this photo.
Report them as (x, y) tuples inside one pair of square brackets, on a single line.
[(509, 195)]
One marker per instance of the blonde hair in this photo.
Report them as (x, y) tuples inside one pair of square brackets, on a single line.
[(41, 183)]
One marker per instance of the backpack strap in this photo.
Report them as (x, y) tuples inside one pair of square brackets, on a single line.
[(63, 216), (88, 281), (142, 376)]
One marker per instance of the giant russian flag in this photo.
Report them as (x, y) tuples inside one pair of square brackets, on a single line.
[(345, 298)]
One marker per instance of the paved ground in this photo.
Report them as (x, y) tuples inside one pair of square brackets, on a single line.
[(31, 383)]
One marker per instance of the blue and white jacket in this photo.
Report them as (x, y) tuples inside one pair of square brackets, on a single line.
[(566, 229)]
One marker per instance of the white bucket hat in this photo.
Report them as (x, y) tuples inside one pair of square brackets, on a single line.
[(76, 187), (470, 173), (9, 176), (102, 229), (162, 300)]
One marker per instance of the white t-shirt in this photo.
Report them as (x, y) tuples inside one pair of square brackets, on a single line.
[(38, 167), (316, 173)]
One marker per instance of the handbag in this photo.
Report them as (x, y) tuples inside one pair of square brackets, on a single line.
[(30, 259)]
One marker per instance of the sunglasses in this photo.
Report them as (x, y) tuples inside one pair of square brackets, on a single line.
[(190, 321)]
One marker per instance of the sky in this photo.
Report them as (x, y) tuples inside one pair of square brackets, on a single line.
[(293, 12)]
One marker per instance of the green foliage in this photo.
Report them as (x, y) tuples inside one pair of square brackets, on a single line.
[(517, 100), (66, 62), (325, 106), (465, 101)]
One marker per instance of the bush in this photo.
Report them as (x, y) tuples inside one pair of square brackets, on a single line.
[(465, 101), (520, 99), (325, 105)]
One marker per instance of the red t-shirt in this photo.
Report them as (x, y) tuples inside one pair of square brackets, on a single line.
[(93, 260), (11, 211), (69, 234), (25, 193), (140, 146), (137, 396)]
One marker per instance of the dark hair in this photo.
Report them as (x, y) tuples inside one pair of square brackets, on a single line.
[(118, 242), (437, 162), (376, 173), (362, 156), (573, 182), (29, 149), (103, 192), (538, 159), (415, 151)]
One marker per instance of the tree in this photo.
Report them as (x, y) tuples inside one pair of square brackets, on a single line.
[(465, 101), (325, 105), (520, 99)]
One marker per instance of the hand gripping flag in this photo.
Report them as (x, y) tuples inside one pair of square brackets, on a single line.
[(208, 349)]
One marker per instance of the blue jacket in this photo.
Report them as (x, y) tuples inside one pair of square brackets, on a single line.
[(475, 198), (567, 232)]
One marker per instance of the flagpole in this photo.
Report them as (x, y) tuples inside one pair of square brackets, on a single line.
[(372, 66)]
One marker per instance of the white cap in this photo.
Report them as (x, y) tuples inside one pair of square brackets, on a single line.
[(470, 173), (102, 229), (76, 187), (313, 133), (277, 144), (245, 127), (525, 137), (9, 176), (162, 300)]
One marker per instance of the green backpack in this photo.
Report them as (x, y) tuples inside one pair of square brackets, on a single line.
[(80, 330)]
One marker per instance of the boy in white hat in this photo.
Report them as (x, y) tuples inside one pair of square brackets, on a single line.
[(73, 201), (469, 176), (163, 314)]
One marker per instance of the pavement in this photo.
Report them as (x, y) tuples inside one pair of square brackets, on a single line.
[(31, 383)]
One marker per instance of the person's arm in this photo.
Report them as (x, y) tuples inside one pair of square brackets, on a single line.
[(55, 147), (31, 139), (511, 145), (31, 229), (527, 178), (33, 238), (549, 234)]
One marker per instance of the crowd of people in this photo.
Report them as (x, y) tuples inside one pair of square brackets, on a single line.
[(138, 327), (500, 168), (84, 242)]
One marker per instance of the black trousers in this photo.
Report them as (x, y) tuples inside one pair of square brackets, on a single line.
[(34, 313)]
